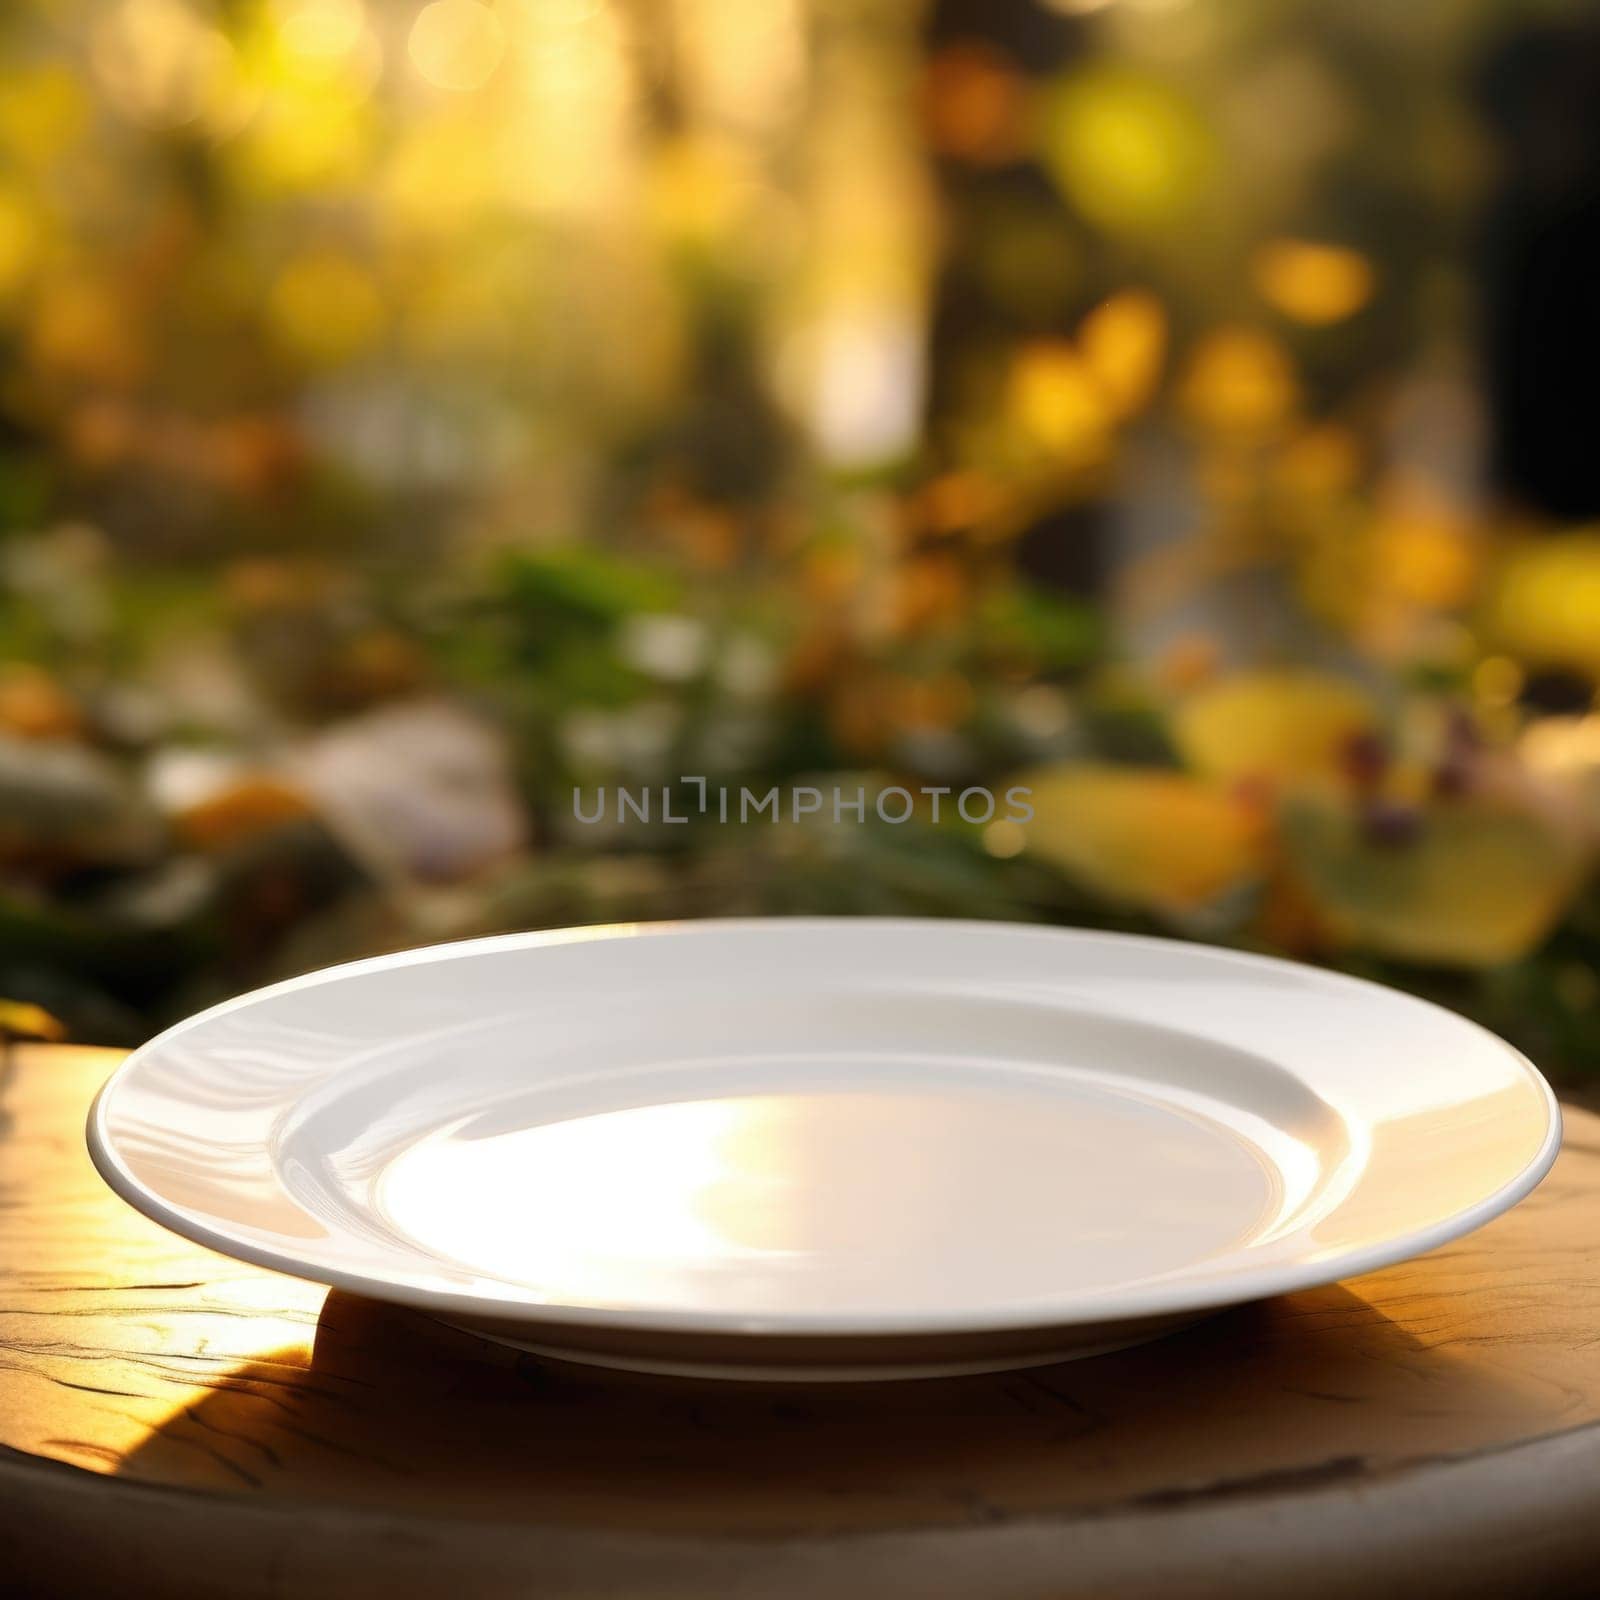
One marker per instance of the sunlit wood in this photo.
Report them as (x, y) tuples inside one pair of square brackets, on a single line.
[(168, 1418)]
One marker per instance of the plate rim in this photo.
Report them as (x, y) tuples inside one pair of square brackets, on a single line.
[(1152, 1300)]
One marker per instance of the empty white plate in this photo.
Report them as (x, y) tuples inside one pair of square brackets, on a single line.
[(833, 1148)]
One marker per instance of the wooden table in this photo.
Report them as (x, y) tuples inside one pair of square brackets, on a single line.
[(174, 1423)]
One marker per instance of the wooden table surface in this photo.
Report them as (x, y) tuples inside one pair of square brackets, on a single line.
[(176, 1423)]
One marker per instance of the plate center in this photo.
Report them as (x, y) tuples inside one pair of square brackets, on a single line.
[(856, 1199)]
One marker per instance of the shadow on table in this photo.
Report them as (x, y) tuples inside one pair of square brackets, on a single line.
[(398, 1410)]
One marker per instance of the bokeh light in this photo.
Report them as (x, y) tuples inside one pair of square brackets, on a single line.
[(414, 411), (457, 44)]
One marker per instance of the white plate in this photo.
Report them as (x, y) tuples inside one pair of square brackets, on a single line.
[(824, 1147)]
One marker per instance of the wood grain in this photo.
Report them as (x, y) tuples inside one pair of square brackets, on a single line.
[(177, 1423)]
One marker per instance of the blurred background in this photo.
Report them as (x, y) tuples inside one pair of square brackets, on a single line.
[(412, 413)]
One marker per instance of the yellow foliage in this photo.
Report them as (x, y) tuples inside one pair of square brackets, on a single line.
[(1143, 836), (163, 63), (43, 110), (254, 805), (1497, 680), (34, 706), (1124, 342), (314, 126), (80, 329), (1313, 283), (1321, 464), (1424, 560), (21, 1020), (1128, 150), (698, 189), (1283, 725), (1544, 602), (1240, 381), (1055, 400), (321, 28), (327, 306), (1477, 887), (457, 44), (19, 241), (435, 177)]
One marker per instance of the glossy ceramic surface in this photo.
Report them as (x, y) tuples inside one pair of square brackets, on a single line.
[(835, 1148)]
